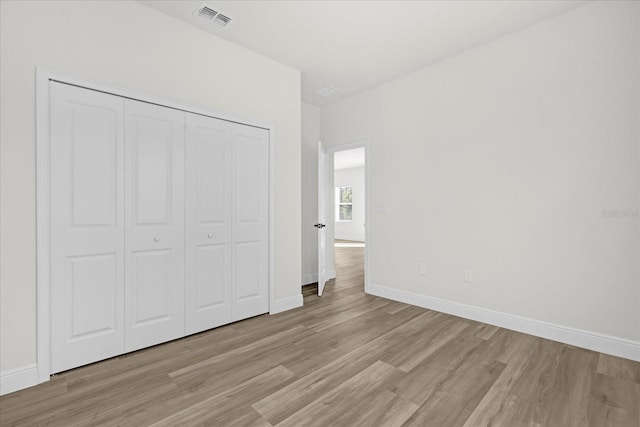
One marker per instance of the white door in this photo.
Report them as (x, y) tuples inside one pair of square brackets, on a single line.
[(249, 220), (154, 224), (322, 217), (208, 223), (87, 226)]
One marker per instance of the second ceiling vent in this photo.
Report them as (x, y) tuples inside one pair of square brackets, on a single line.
[(212, 15)]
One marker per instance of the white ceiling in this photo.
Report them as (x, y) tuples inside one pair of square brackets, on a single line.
[(355, 45), (348, 159)]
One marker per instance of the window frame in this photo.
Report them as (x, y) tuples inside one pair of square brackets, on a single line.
[(339, 204)]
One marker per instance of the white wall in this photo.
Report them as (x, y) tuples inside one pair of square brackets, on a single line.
[(129, 45), (354, 229), (504, 159), (309, 156)]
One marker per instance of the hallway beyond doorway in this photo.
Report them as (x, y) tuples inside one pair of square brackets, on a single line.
[(348, 244)]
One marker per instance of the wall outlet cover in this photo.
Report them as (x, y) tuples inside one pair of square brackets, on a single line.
[(423, 268), (468, 275)]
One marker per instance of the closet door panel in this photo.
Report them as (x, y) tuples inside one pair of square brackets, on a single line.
[(94, 292), (87, 226), (151, 282), (211, 150), (154, 176), (212, 276), (248, 279), (208, 223), (250, 221), (94, 168)]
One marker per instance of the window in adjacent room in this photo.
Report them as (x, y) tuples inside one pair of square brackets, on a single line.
[(344, 205)]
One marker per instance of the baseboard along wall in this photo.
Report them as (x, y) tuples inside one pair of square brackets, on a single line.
[(614, 346), (19, 378)]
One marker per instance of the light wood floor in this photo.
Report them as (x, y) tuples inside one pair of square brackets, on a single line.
[(345, 359)]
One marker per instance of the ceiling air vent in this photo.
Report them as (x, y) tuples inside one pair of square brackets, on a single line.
[(211, 15), (206, 12), (222, 20)]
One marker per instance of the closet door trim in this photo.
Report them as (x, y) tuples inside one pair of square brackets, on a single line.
[(43, 253)]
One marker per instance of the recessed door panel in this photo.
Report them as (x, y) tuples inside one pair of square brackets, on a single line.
[(93, 158), (152, 281), (152, 153), (247, 266), (154, 250), (211, 180), (87, 226), (208, 223), (248, 177), (93, 295), (212, 276)]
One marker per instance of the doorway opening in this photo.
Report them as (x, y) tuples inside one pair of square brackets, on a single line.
[(348, 212), (342, 233)]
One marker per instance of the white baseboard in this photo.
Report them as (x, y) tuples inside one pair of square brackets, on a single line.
[(309, 278), (313, 277), (285, 304), (607, 344), (17, 379)]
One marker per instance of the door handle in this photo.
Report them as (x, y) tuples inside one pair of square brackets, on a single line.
[(319, 225)]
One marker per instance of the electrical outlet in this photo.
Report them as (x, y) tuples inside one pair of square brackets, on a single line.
[(423, 268), (468, 275)]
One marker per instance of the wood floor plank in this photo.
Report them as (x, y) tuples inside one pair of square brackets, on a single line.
[(216, 408), (458, 398), (614, 402), (427, 341), (499, 408), (139, 409), (347, 401), (333, 343), (300, 393), (486, 331), (250, 348), (346, 315), (504, 346), (24, 404), (440, 368), (618, 367), (572, 378), (381, 407), (86, 406), (460, 348), (538, 386), (227, 374)]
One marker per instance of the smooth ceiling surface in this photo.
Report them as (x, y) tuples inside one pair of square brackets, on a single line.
[(348, 159), (355, 45)]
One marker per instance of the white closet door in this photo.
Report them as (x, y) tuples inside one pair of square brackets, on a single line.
[(208, 223), (250, 221), (87, 226), (154, 223)]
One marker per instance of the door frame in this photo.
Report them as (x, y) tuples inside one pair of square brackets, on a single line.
[(331, 150), (43, 279)]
